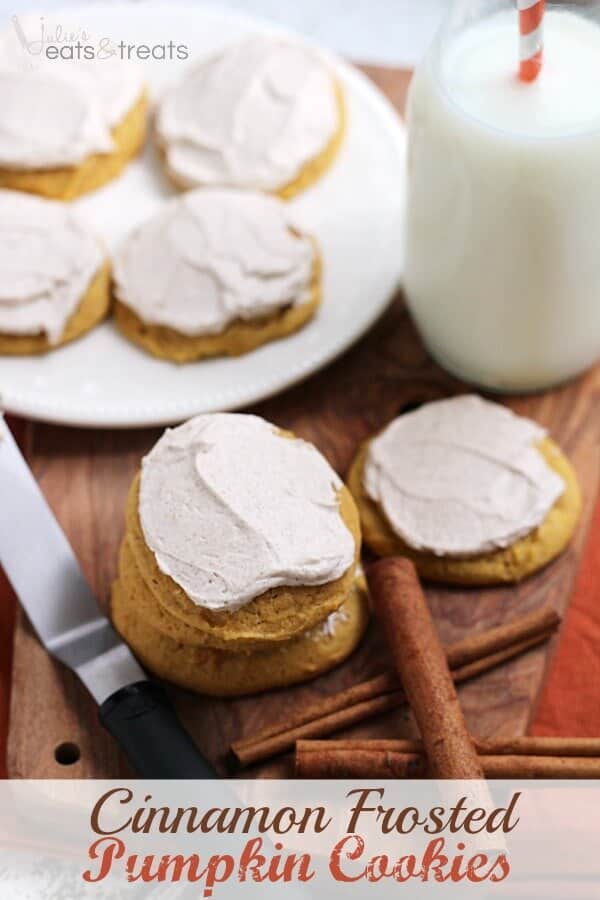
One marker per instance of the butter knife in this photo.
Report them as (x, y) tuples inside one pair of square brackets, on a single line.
[(61, 607)]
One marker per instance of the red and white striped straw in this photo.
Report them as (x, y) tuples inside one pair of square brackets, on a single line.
[(531, 43)]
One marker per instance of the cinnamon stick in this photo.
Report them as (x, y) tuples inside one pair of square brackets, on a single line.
[(421, 663), (363, 761), (469, 658), (475, 646), (503, 746)]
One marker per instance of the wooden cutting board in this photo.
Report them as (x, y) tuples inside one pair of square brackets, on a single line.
[(85, 476)]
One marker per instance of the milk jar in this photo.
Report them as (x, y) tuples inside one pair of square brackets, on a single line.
[(503, 238)]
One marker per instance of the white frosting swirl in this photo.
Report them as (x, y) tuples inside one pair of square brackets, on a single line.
[(47, 261), (251, 116), (461, 477), (211, 256), (58, 112), (231, 508)]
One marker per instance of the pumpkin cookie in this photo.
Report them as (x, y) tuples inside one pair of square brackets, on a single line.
[(265, 114), (472, 493), (68, 125), (132, 583), (54, 280), (222, 673), (215, 273), (95, 170), (241, 532)]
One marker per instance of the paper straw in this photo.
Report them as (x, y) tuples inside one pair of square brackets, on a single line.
[(531, 16)]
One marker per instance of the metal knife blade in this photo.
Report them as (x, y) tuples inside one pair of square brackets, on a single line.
[(48, 580), (46, 576)]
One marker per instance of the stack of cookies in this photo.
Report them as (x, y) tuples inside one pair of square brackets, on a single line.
[(237, 571)]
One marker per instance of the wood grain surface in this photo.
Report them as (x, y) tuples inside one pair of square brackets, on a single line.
[(85, 476)]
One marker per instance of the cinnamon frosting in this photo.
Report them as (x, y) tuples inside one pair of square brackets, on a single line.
[(58, 112), (461, 477), (211, 256), (231, 508), (47, 261), (251, 116)]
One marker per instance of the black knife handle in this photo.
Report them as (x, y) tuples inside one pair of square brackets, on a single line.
[(142, 720)]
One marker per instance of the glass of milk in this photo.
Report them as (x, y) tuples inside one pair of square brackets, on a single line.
[(503, 239)]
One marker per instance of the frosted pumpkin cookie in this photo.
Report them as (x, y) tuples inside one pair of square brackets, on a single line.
[(67, 126), (223, 673), (241, 532), (265, 114), (54, 279), (216, 272), (473, 493)]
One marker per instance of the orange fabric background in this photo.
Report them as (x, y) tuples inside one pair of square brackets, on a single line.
[(570, 700), (7, 618)]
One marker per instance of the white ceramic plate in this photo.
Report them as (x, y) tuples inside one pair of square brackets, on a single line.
[(356, 212)]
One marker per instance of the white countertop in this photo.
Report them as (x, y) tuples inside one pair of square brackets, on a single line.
[(392, 32)]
